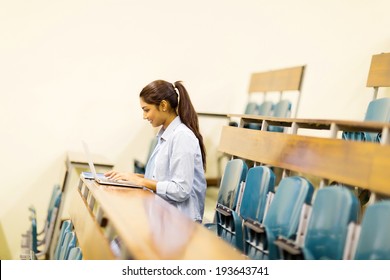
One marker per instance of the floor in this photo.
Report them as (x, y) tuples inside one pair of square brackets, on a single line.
[(210, 202)]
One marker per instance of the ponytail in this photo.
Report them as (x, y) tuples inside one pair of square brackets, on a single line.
[(188, 116)]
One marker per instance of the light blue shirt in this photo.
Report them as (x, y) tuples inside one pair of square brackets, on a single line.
[(176, 165)]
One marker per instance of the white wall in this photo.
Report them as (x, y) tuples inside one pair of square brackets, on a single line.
[(69, 69)]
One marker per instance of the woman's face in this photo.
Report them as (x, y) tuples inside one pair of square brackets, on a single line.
[(152, 113)]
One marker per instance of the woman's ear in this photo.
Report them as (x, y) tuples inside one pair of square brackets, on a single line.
[(163, 106)]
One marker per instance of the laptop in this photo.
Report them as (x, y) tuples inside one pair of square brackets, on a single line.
[(99, 177)]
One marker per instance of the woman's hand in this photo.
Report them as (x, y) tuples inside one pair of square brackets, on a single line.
[(125, 176)]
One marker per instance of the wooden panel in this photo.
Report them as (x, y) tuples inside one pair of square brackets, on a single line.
[(379, 74), (150, 228), (277, 80), (359, 164), (94, 244)]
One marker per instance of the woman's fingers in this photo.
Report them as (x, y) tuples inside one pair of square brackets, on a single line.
[(111, 174), (115, 175)]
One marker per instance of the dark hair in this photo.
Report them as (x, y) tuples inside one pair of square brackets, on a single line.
[(177, 96)]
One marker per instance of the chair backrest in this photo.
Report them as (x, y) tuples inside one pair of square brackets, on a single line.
[(251, 108), (53, 202), (34, 234), (152, 145), (66, 227), (51, 224), (378, 110), (282, 109), (282, 218), (67, 245), (75, 254), (284, 212), (227, 221), (374, 240), (260, 180), (334, 208), (265, 108), (234, 174), (139, 167), (280, 80)]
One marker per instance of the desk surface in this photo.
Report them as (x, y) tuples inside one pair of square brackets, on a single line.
[(81, 158), (347, 125), (210, 114), (150, 228)]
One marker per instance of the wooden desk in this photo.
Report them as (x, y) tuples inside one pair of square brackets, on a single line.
[(326, 124), (361, 164), (148, 227), (75, 163), (213, 115)]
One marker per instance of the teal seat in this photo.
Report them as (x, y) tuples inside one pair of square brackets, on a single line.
[(39, 242), (263, 109), (75, 254), (51, 221), (226, 218), (68, 243), (282, 109), (282, 218), (260, 181), (378, 110), (235, 173), (250, 109), (34, 235), (66, 227), (139, 167), (374, 240), (334, 208)]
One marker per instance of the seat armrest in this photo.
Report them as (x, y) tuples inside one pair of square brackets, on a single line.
[(255, 226), (289, 250), (223, 210)]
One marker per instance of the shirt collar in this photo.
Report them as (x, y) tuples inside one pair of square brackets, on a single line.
[(166, 133)]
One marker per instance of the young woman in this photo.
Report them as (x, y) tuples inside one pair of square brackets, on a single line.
[(175, 170)]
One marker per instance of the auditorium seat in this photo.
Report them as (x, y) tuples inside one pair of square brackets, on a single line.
[(374, 242), (229, 189), (39, 242), (281, 219), (75, 254), (65, 228), (334, 209), (259, 185), (139, 166), (68, 243), (282, 109), (263, 109), (378, 110)]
